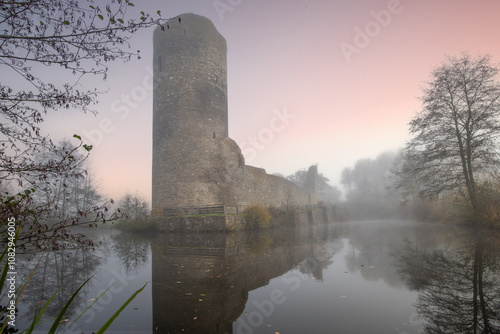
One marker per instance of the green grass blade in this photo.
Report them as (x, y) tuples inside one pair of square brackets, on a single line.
[(2, 281), (38, 316), (56, 323), (4, 274), (4, 252), (20, 292), (6, 268), (88, 307), (117, 313)]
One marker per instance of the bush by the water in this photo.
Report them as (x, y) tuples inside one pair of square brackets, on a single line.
[(257, 216), (455, 207)]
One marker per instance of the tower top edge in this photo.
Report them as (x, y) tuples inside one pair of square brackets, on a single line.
[(187, 19)]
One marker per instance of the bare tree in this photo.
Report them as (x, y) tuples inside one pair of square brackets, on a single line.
[(78, 37), (66, 195), (346, 179), (300, 176), (402, 181), (456, 133), (74, 38), (367, 185), (134, 207)]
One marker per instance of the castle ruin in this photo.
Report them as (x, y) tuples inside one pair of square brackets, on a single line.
[(195, 163)]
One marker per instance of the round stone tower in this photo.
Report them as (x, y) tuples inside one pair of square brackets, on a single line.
[(189, 112)]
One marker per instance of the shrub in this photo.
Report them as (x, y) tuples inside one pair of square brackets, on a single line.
[(455, 207), (489, 198), (256, 216)]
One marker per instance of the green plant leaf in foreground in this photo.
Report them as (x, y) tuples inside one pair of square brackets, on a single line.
[(117, 313), (20, 291), (4, 271), (39, 314), (56, 323), (88, 307), (6, 267)]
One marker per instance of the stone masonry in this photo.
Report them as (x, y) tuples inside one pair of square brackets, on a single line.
[(195, 163)]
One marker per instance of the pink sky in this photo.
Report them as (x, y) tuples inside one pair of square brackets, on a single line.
[(287, 55)]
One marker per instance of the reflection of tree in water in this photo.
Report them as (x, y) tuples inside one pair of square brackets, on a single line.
[(132, 249), (368, 250), (459, 289), (59, 270)]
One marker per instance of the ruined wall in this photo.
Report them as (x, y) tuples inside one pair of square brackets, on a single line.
[(232, 223), (195, 163)]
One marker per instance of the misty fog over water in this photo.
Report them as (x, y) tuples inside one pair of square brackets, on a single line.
[(355, 277)]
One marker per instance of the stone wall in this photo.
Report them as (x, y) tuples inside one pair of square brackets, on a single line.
[(231, 223), (195, 163)]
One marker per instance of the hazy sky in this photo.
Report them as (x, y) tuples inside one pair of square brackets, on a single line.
[(326, 82)]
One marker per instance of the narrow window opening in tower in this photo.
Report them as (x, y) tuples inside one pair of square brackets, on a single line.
[(159, 63), (214, 134)]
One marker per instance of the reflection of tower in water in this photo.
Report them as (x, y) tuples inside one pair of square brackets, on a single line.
[(201, 282)]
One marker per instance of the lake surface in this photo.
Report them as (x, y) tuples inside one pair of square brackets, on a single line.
[(359, 277)]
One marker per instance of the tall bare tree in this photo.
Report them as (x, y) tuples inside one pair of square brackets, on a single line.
[(455, 139)]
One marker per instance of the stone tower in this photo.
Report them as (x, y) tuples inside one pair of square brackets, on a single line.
[(190, 113), (195, 163)]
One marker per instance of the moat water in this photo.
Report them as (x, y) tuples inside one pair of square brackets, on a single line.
[(358, 277)]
